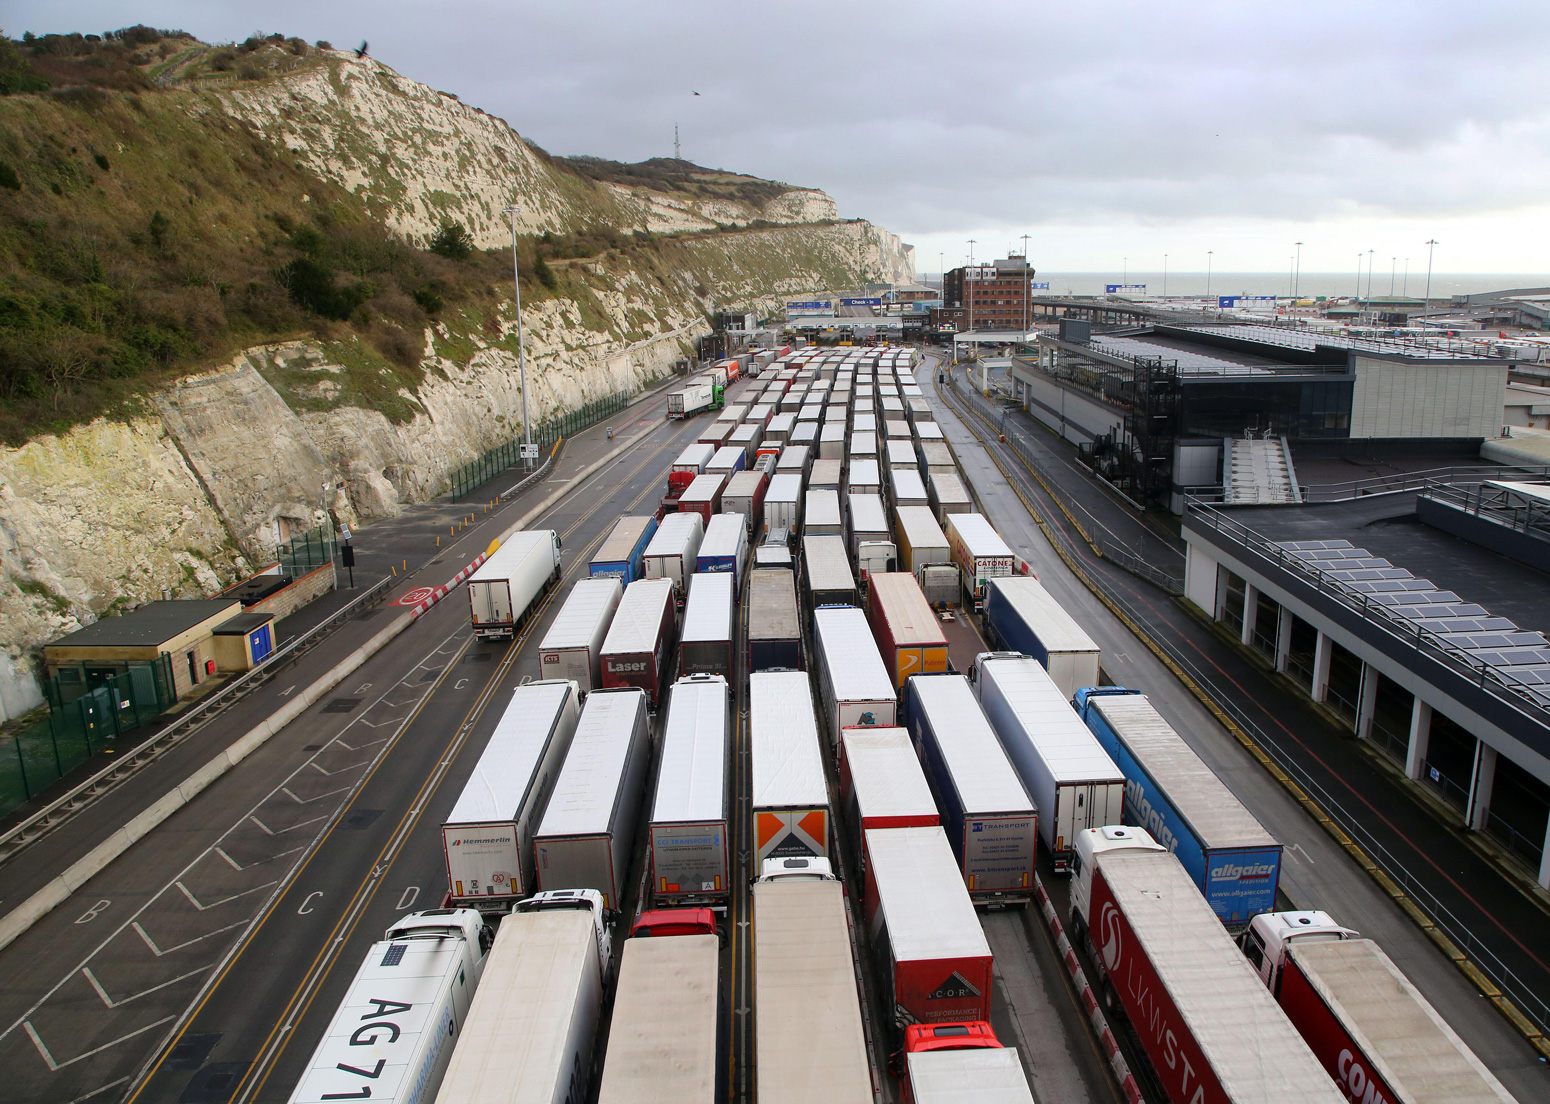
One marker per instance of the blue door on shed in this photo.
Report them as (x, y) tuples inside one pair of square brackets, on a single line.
[(261, 643)]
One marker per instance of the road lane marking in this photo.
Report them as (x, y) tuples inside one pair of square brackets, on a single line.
[(91, 914), (160, 952), (216, 904), (292, 828), (55, 1067), (111, 1003), (306, 908), (410, 895)]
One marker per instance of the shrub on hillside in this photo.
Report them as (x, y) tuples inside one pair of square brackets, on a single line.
[(452, 241)]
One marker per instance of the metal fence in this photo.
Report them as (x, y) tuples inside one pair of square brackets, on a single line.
[(86, 712), (308, 552), (474, 474)]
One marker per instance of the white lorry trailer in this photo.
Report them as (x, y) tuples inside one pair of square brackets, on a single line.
[(980, 553), (530, 1029), (393, 1035), (505, 589), (487, 838), (572, 646), (667, 1036), (790, 793), (1061, 763), (1024, 617), (853, 681), (673, 547), (688, 834)]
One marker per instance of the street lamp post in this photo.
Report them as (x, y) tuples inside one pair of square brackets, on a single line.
[(1165, 275), (1371, 253), (1297, 273), (968, 275), (1208, 272), (1027, 287), (516, 287), (1430, 245)]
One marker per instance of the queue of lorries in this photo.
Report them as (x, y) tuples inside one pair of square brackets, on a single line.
[(944, 785)]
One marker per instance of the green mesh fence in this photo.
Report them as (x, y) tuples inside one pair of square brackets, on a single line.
[(474, 474)]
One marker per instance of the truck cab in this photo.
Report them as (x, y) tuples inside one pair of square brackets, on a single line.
[(578, 900), (875, 556), (968, 1035), (446, 923), (668, 922), (1270, 934), (1091, 842), (796, 869)]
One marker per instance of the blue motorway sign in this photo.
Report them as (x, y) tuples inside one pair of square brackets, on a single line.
[(823, 304), (1039, 287), (861, 302), (1110, 289), (1226, 301)]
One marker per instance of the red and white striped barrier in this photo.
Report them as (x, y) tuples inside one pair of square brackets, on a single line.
[(1094, 1010), (438, 593)]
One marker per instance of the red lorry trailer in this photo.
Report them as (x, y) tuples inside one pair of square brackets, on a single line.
[(1378, 1037), (1210, 1029), (641, 637), (703, 496), (908, 634), (882, 785), (690, 463), (933, 963)]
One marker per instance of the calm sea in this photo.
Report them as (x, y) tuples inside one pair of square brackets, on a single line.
[(1444, 284)]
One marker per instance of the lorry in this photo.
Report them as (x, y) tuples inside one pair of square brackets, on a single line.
[(882, 785), (853, 683), (728, 461), (790, 793), (1376, 1035), (979, 553), (809, 1043), (705, 643), (543, 985), (826, 574), (703, 496), (831, 441), (990, 821), (690, 463), (622, 555), (936, 456), (901, 456), (948, 495), (774, 551), (694, 397), (672, 551), (725, 549), (821, 515), (908, 635), (688, 835), (777, 431), (925, 554), (1061, 763), (573, 646), (863, 444), (667, 1039), (487, 838), (715, 434), (744, 494), (746, 437), (1208, 1027), (504, 591), (393, 1034), (1184, 806), (826, 475), (774, 627), (864, 476), (867, 522), (908, 489), (961, 1063), (1021, 616), (932, 961), (587, 833), (783, 503), (638, 643)]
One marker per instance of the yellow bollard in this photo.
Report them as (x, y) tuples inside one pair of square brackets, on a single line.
[(394, 570)]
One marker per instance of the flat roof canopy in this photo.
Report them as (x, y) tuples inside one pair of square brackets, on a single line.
[(152, 624)]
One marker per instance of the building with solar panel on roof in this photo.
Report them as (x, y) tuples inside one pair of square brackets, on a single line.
[(1415, 617)]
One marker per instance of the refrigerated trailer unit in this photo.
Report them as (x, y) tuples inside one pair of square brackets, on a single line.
[(622, 553), (744, 494), (1024, 617), (908, 489), (667, 1036), (863, 476), (826, 475), (933, 963), (587, 833), (530, 1029), (901, 456), (636, 649), (705, 645), (1062, 765), (689, 845), (826, 574), (1181, 802), (790, 794), (573, 646), (783, 503), (867, 522), (724, 549), (979, 553), (925, 554), (853, 683), (936, 456), (990, 821), (821, 515), (689, 400), (393, 1035), (487, 838), (809, 1043), (1210, 1029), (746, 437), (908, 635), (504, 591), (673, 549), (774, 626), (690, 463), (948, 495)]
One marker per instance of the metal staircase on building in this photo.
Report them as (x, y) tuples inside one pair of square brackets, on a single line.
[(1260, 469)]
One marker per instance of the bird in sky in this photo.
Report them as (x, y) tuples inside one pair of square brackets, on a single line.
[(692, 90), (362, 51)]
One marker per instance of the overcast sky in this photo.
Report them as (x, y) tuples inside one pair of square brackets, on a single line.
[(1104, 131)]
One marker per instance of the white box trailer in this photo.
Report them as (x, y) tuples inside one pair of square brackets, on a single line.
[(853, 681), (882, 786), (505, 589), (706, 642), (863, 421), (863, 445), (936, 456), (1064, 767), (688, 834), (908, 489), (979, 553), (744, 494), (809, 1043), (929, 431), (690, 400), (487, 838), (572, 647), (1024, 617), (821, 516), (868, 520), (393, 1035), (901, 456), (783, 502), (989, 818), (674, 546), (831, 440), (530, 1030), (694, 458), (981, 1075), (864, 476), (948, 495), (826, 475), (588, 831), (789, 792), (746, 437), (725, 549), (779, 429), (666, 1036)]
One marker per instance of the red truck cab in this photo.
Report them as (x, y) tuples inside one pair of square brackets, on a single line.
[(949, 1036), (684, 921)]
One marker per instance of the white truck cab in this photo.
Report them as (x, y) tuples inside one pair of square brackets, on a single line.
[(796, 869), (1270, 933), (876, 557), (1091, 842), (445, 923), (578, 899)]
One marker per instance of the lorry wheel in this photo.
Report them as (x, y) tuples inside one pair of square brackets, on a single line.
[(1078, 931)]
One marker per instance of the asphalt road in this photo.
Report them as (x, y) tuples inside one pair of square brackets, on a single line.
[(1317, 873)]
